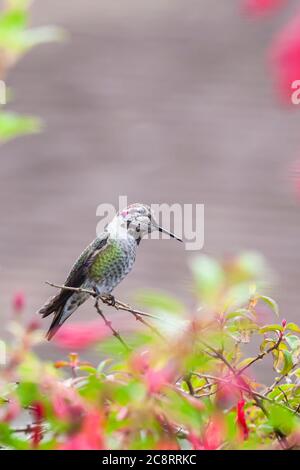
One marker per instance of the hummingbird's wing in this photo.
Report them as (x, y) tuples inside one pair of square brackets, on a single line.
[(76, 277), (81, 267)]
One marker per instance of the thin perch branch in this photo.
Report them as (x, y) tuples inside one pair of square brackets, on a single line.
[(242, 387), (109, 325), (118, 305), (261, 355)]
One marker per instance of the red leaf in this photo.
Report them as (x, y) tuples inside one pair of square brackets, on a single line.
[(38, 413), (241, 418)]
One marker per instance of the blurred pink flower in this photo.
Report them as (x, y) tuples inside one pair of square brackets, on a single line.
[(12, 411), (140, 361), (156, 379), (90, 437), (60, 407), (214, 434), (196, 441), (33, 325), (80, 335), (212, 437), (285, 58), (229, 389), (227, 393), (66, 410), (261, 7), (18, 302)]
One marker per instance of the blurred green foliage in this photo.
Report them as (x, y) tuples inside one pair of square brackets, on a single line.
[(16, 39)]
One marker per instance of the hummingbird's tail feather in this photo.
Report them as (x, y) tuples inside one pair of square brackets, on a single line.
[(64, 311), (55, 324), (53, 304)]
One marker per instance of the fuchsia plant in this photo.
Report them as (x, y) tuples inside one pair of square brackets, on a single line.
[(193, 385)]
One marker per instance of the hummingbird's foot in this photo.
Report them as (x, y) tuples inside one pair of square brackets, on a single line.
[(97, 293), (110, 300)]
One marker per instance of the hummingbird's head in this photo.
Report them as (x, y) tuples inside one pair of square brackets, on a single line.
[(138, 220)]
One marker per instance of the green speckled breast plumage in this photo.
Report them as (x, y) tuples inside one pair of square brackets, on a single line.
[(112, 264)]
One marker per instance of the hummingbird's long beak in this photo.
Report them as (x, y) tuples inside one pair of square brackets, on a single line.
[(162, 230)]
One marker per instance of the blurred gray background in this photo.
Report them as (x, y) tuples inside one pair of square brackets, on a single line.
[(163, 101)]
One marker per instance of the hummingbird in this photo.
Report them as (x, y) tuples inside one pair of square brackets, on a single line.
[(104, 263)]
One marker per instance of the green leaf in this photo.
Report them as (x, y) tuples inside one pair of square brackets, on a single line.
[(241, 329), (293, 341), (29, 369), (19, 4), (13, 20), (252, 264), (88, 369), (281, 419), (279, 389), (267, 328), (12, 24), (283, 361), (245, 362), (181, 409), (41, 35), (267, 344), (271, 303), (102, 365), (13, 125), (297, 372), (160, 301), (209, 277), (287, 363), (16, 39), (242, 312), (28, 392), (11, 440), (131, 392), (293, 327)]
